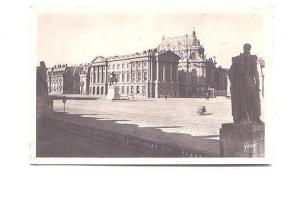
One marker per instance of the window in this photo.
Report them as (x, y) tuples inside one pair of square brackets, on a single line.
[(139, 76), (145, 63), (133, 76), (202, 71), (113, 66), (128, 64), (133, 64), (128, 76), (118, 66), (122, 89), (132, 89), (101, 90), (127, 89), (145, 76), (123, 66), (138, 64), (137, 89), (97, 90), (143, 89), (123, 77)]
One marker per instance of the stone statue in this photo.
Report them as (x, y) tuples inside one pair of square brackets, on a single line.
[(244, 88), (41, 80), (113, 79)]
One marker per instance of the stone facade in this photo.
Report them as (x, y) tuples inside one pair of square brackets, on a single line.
[(196, 72), (147, 74), (64, 79), (221, 81), (85, 80), (178, 67)]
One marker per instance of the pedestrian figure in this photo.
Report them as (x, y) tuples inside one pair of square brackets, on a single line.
[(166, 97), (207, 96), (64, 100)]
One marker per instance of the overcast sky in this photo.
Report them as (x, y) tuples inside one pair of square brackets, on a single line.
[(78, 38)]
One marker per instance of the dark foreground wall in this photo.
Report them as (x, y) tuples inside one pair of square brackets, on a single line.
[(60, 138)]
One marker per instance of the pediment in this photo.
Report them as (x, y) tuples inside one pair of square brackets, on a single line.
[(98, 59), (168, 56)]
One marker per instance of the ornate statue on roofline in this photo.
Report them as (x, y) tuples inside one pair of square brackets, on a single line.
[(244, 88)]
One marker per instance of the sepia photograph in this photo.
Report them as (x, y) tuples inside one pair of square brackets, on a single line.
[(149, 107), (123, 88)]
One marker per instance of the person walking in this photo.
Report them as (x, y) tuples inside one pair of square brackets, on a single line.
[(207, 96)]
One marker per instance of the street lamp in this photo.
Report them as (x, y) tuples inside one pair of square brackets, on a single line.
[(262, 65)]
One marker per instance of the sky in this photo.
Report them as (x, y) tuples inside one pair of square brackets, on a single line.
[(75, 38)]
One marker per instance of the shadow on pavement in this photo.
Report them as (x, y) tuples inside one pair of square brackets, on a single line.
[(58, 142)]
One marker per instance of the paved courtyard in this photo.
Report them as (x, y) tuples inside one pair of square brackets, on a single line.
[(172, 120), (171, 115)]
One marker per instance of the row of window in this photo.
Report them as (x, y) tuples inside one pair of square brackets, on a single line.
[(56, 81), (97, 90), (137, 64), (137, 90), (134, 90), (120, 77), (55, 89)]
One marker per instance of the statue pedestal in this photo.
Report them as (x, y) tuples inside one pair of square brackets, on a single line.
[(113, 92), (242, 140), (43, 105)]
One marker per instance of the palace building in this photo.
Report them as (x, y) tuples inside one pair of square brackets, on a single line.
[(177, 67), (148, 74), (196, 72), (63, 79)]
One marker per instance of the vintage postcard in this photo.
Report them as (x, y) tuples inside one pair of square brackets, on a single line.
[(150, 88)]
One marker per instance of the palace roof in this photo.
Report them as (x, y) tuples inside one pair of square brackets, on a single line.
[(183, 42)]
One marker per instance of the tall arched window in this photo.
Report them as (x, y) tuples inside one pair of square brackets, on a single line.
[(102, 90), (94, 76), (93, 90), (97, 90)]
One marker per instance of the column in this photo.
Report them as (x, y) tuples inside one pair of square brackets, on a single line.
[(102, 74), (177, 72), (150, 74), (187, 78), (98, 75), (106, 74), (157, 78), (148, 70), (171, 72), (157, 70), (164, 71), (149, 79), (130, 72), (228, 86), (177, 79)]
